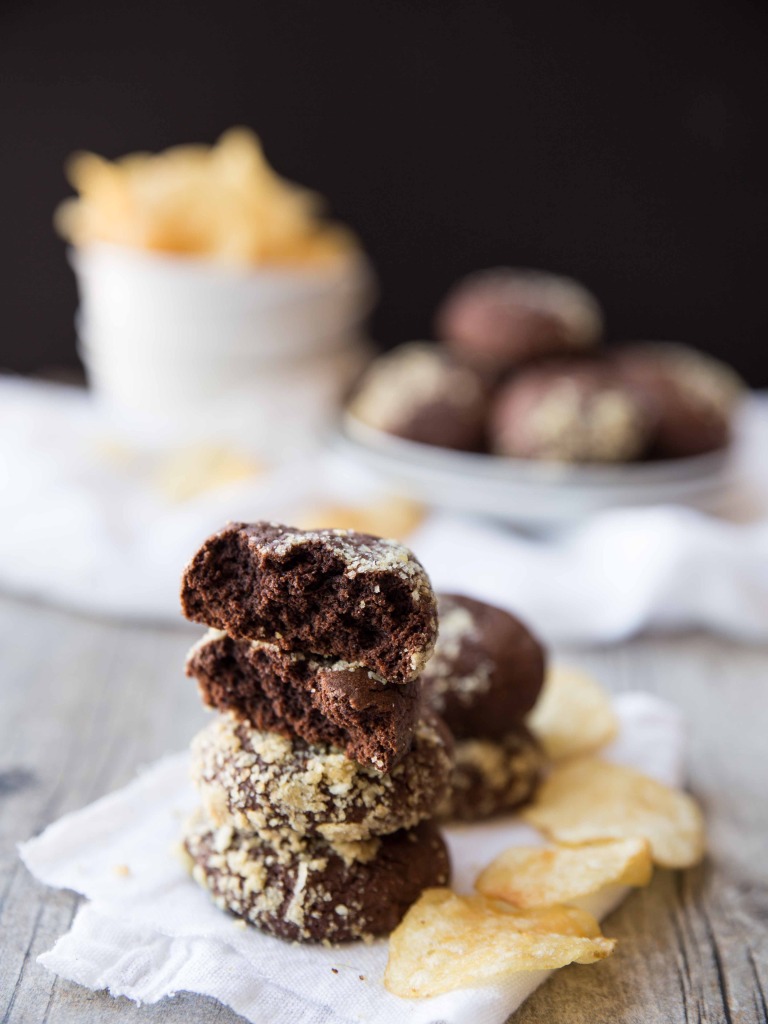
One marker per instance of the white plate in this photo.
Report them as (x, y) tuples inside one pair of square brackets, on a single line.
[(535, 495)]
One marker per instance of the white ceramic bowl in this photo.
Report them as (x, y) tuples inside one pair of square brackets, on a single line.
[(528, 494), (188, 305), (185, 338)]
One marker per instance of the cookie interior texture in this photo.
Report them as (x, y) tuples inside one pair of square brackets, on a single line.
[(335, 593), (262, 782), (311, 891), (318, 699)]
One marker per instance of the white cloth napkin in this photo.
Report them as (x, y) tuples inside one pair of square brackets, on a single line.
[(149, 931), (624, 571), (87, 521)]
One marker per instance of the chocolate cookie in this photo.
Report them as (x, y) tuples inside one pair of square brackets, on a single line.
[(418, 392), (336, 593), (487, 669), (694, 396), (492, 776), (318, 699), (263, 782), (498, 319), (571, 411), (320, 893)]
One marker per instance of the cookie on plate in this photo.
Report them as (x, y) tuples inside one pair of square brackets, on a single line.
[(319, 699), (420, 393), (334, 593), (263, 782), (317, 892), (571, 411), (693, 395), (499, 319)]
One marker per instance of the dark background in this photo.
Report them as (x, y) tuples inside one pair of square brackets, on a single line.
[(620, 143)]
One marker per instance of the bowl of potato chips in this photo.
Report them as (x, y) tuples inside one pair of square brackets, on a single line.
[(205, 278)]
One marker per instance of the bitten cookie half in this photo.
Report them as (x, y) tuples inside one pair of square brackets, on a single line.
[(334, 593), (318, 699), (318, 893), (262, 782)]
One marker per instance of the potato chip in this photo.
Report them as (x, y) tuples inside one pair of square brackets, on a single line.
[(223, 201), (588, 799), (573, 714), (386, 517), (447, 942), (529, 876), (189, 472)]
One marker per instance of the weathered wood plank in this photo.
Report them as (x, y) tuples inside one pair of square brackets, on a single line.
[(86, 702)]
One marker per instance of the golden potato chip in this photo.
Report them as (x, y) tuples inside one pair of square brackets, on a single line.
[(446, 942), (588, 799), (189, 472), (529, 876), (222, 201), (387, 517), (573, 714)]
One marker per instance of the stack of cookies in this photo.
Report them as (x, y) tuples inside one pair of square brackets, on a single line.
[(321, 771), (484, 678)]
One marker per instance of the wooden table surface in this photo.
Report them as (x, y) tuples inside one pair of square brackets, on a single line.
[(85, 703)]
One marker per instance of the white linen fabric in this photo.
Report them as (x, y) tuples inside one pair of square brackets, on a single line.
[(149, 932), (86, 521)]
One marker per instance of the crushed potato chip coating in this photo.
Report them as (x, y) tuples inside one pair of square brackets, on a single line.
[(588, 799), (447, 942), (573, 714), (223, 201), (529, 876)]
